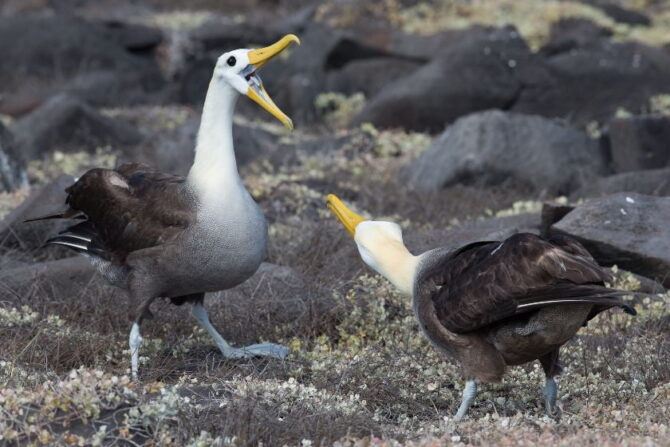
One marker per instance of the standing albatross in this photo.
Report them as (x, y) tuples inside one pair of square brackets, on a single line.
[(490, 304), (161, 235)]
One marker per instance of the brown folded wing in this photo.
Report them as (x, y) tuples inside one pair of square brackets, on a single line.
[(128, 209), (484, 283)]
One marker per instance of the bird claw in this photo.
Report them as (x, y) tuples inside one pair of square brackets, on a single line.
[(552, 409)]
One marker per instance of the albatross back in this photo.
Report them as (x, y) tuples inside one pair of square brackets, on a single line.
[(486, 283)]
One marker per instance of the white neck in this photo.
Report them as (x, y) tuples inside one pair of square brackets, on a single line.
[(214, 168), (397, 264)]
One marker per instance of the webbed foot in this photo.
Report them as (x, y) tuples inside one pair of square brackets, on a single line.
[(259, 349)]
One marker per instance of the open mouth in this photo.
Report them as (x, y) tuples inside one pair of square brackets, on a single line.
[(250, 74), (256, 91)]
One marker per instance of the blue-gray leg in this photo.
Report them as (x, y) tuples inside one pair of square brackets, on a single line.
[(550, 392), (469, 393), (552, 368), (261, 349)]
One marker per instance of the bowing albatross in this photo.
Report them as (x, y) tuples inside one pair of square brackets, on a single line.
[(162, 235), (490, 304)]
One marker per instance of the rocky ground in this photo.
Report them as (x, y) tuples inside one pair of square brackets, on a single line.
[(461, 120)]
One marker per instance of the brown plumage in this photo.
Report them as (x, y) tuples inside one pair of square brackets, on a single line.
[(126, 209), (483, 283)]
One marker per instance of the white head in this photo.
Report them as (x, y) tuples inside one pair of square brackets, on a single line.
[(239, 68), (380, 245)]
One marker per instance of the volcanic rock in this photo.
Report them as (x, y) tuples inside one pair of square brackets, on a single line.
[(12, 166), (66, 123), (32, 235), (592, 82), (652, 182), (627, 229), (490, 147), (480, 71), (640, 142)]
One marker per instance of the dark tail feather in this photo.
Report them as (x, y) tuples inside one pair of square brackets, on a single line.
[(67, 214), (82, 238)]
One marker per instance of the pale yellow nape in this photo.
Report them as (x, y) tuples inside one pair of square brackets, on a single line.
[(381, 247)]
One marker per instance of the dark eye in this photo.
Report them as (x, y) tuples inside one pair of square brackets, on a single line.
[(231, 61)]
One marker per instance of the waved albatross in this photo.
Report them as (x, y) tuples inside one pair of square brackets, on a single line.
[(162, 235), (490, 304)]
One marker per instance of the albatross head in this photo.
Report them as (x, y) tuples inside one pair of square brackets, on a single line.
[(380, 245), (239, 68)]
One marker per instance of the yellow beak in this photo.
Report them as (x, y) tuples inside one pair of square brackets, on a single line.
[(261, 56), (348, 218), (256, 91)]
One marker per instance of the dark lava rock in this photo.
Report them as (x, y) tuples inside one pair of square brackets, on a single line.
[(490, 147), (32, 235), (522, 222), (360, 59), (48, 51), (94, 88), (652, 182), (66, 123), (621, 14), (574, 32), (640, 142), (295, 82), (55, 279), (12, 164), (476, 72), (297, 21), (369, 42), (551, 213), (194, 81), (627, 229), (493, 229), (225, 37), (369, 76), (167, 150), (133, 37), (590, 83), (19, 103), (251, 143)]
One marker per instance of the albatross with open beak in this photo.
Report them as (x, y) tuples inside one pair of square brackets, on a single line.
[(491, 304), (161, 235)]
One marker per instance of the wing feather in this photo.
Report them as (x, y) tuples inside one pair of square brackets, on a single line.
[(126, 209), (486, 283)]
